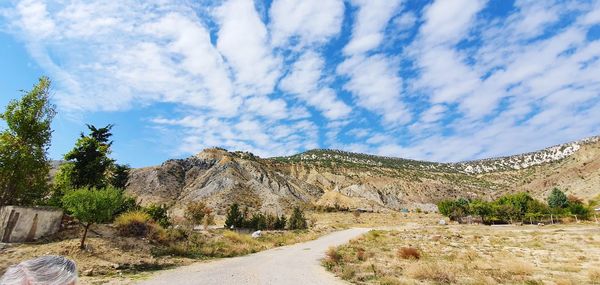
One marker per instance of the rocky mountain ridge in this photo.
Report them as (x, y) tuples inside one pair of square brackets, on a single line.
[(514, 162), (337, 179)]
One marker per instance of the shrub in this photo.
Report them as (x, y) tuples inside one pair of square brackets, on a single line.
[(297, 220), (133, 224), (195, 212), (361, 254), (158, 213), (235, 218), (409, 253), (594, 275), (91, 206), (332, 257), (129, 205), (209, 218)]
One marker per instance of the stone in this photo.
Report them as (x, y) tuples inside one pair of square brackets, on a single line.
[(442, 222), (256, 234)]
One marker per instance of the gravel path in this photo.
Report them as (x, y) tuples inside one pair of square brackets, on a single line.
[(294, 264)]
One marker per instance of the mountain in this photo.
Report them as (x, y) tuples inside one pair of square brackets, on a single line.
[(332, 178)]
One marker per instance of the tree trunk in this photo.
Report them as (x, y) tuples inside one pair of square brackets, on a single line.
[(85, 231)]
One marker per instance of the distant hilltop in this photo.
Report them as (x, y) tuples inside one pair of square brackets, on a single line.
[(343, 180)]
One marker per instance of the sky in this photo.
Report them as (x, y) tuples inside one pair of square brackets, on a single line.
[(443, 80)]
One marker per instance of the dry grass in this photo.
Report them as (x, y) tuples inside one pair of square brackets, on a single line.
[(472, 254), (408, 253), (431, 271), (594, 275)]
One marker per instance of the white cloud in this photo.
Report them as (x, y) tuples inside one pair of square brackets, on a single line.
[(243, 40), (304, 80), (376, 86), (245, 79), (371, 20), (311, 21), (35, 19), (448, 21)]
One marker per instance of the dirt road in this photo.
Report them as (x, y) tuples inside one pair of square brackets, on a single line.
[(294, 264)]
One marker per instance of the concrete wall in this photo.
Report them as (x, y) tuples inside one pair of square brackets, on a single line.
[(21, 224)]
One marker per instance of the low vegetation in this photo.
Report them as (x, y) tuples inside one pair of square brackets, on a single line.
[(471, 254), (520, 207), (237, 219)]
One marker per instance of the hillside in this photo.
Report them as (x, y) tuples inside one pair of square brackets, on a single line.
[(331, 178)]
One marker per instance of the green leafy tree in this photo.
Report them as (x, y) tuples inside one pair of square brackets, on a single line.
[(454, 209), (518, 204), (92, 206), (577, 208), (297, 220), (24, 165), (235, 218), (557, 199), (482, 209), (89, 159)]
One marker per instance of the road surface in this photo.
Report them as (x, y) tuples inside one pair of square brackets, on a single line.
[(293, 264)]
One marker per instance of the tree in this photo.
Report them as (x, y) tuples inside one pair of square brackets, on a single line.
[(297, 220), (235, 218), (557, 199), (281, 223), (577, 208), (481, 208), (195, 212), (119, 175), (92, 206), (24, 165), (518, 204), (89, 158), (454, 209)]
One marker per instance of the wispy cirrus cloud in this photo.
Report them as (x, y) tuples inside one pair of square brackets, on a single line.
[(442, 80)]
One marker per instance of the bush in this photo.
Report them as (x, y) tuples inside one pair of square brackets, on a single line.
[(332, 257), (158, 214), (133, 224), (297, 220), (195, 212), (409, 253), (361, 254), (129, 205)]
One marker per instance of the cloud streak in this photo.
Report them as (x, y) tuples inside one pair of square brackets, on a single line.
[(444, 81)]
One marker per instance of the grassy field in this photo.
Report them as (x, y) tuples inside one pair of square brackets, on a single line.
[(419, 253)]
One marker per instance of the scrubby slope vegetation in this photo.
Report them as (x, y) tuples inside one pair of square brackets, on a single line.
[(344, 180)]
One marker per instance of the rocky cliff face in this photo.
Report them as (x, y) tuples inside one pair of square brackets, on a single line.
[(219, 178), (348, 180)]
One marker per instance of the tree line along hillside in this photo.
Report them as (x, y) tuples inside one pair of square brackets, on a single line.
[(520, 207)]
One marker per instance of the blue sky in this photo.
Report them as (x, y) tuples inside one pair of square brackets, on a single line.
[(444, 80)]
